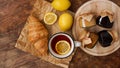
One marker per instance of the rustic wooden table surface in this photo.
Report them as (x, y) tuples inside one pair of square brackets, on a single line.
[(13, 14)]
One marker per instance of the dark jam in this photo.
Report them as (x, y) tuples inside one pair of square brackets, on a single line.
[(105, 38), (104, 22), (59, 38)]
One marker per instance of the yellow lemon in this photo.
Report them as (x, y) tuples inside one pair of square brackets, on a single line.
[(50, 18), (65, 21), (62, 47), (61, 5)]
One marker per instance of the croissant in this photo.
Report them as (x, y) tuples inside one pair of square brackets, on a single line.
[(38, 35)]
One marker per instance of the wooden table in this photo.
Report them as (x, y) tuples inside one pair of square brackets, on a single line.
[(13, 14)]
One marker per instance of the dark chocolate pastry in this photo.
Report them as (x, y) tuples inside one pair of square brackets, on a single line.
[(105, 38), (105, 19), (104, 22)]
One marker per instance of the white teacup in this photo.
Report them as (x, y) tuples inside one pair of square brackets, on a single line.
[(58, 37)]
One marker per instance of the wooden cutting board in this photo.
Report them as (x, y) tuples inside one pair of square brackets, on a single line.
[(96, 7), (40, 8)]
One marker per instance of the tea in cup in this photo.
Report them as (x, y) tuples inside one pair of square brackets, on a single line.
[(61, 45)]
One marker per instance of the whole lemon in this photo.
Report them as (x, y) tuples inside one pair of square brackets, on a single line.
[(61, 5), (65, 21)]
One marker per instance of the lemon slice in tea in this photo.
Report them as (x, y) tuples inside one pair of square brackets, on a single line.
[(62, 47), (50, 18)]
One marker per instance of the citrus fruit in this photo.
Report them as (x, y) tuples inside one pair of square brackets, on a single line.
[(65, 21), (50, 18), (62, 47), (61, 5)]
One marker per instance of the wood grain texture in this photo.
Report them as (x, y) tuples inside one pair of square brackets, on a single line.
[(13, 14)]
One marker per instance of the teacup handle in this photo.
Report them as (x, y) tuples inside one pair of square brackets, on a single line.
[(77, 43)]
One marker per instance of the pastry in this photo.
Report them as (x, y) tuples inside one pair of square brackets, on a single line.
[(87, 20), (105, 19), (37, 35), (91, 40), (106, 38)]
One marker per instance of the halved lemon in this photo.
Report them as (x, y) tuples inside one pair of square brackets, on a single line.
[(50, 18), (62, 47)]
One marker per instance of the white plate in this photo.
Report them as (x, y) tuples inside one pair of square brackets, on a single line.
[(97, 6)]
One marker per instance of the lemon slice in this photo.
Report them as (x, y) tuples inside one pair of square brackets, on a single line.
[(50, 18), (62, 47)]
